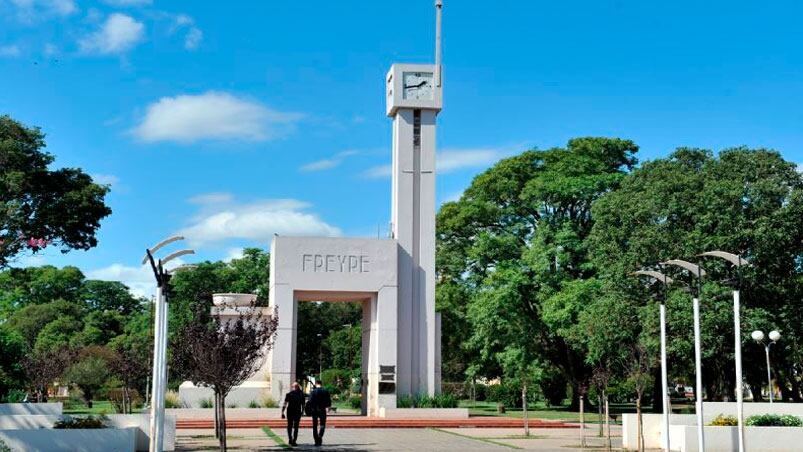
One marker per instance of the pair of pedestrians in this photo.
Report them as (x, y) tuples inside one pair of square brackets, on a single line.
[(317, 407)]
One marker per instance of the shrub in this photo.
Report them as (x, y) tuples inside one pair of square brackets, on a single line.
[(69, 422), (425, 401), (4, 447), (206, 403), (774, 420), (172, 400), (15, 396), (404, 401), (724, 421), (508, 394), (459, 390), (355, 402), (336, 380), (269, 402), (253, 404), (231, 405)]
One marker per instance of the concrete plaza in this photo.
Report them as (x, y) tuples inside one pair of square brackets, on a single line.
[(355, 440)]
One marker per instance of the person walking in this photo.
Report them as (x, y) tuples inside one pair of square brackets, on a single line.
[(294, 405), (320, 402)]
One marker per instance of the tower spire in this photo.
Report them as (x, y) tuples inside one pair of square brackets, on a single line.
[(438, 14)]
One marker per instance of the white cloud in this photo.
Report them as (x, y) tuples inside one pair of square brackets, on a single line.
[(193, 38), (50, 49), (447, 161), (212, 116), (30, 10), (126, 3), (138, 279), (118, 34), (378, 172), (11, 50), (232, 254), (324, 164), (212, 198), (257, 221), (105, 179)]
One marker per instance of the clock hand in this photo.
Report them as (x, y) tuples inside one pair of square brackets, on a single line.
[(416, 86)]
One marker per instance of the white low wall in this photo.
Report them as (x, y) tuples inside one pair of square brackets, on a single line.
[(750, 409), (77, 440), (7, 409), (725, 439), (241, 396), (184, 414), (653, 423), (423, 413), (141, 423)]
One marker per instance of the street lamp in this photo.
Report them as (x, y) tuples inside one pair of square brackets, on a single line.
[(664, 379), (775, 336), (159, 383), (737, 262), (698, 272)]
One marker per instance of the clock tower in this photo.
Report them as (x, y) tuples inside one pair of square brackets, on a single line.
[(414, 98)]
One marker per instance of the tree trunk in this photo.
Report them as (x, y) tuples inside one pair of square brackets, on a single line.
[(657, 391), (217, 416), (223, 444), (755, 390), (524, 406), (796, 396), (582, 425), (607, 421), (639, 426), (599, 414)]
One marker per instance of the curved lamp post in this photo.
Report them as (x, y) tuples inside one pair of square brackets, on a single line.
[(159, 383), (698, 272), (664, 379), (738, 262), (775, 336)]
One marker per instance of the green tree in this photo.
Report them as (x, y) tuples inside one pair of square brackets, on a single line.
[(11, 371), (343, 349), (20, 287), (747, 201), (109, 296), (515, 241), (32, 319), (90, 372), (43, 207)]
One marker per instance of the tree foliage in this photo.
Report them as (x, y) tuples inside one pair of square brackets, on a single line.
[(222, 354), (41, 206)]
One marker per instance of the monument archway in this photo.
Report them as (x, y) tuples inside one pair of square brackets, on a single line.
[(335, 270)]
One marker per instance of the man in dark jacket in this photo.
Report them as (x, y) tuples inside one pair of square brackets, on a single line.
[(320, 402), (294, 405)]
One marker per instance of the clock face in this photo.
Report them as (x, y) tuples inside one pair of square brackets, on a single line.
[(418, 85)]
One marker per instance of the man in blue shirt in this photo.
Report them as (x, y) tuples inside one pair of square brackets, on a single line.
[(320, 402)]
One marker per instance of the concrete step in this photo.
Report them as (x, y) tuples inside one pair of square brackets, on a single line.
[(366, 422)]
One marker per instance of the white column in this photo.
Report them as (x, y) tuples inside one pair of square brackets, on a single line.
[(664, 379), (156, 383), (282, 357), (698, 376), (737, 342)]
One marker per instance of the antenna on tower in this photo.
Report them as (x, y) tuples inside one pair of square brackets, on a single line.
[(438, 14)]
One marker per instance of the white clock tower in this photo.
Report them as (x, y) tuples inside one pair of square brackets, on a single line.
[(414, 98)]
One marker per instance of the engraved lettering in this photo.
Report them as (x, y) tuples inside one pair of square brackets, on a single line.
[(335, 263)]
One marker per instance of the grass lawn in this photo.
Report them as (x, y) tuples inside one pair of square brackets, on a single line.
[(541, 411), (98, 407)]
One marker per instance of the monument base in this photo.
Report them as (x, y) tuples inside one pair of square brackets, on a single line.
[(242, 396)]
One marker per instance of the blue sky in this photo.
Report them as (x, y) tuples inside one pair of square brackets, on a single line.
[(229, 121)]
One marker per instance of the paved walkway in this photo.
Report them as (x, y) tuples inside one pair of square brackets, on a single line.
[(418, 440)]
